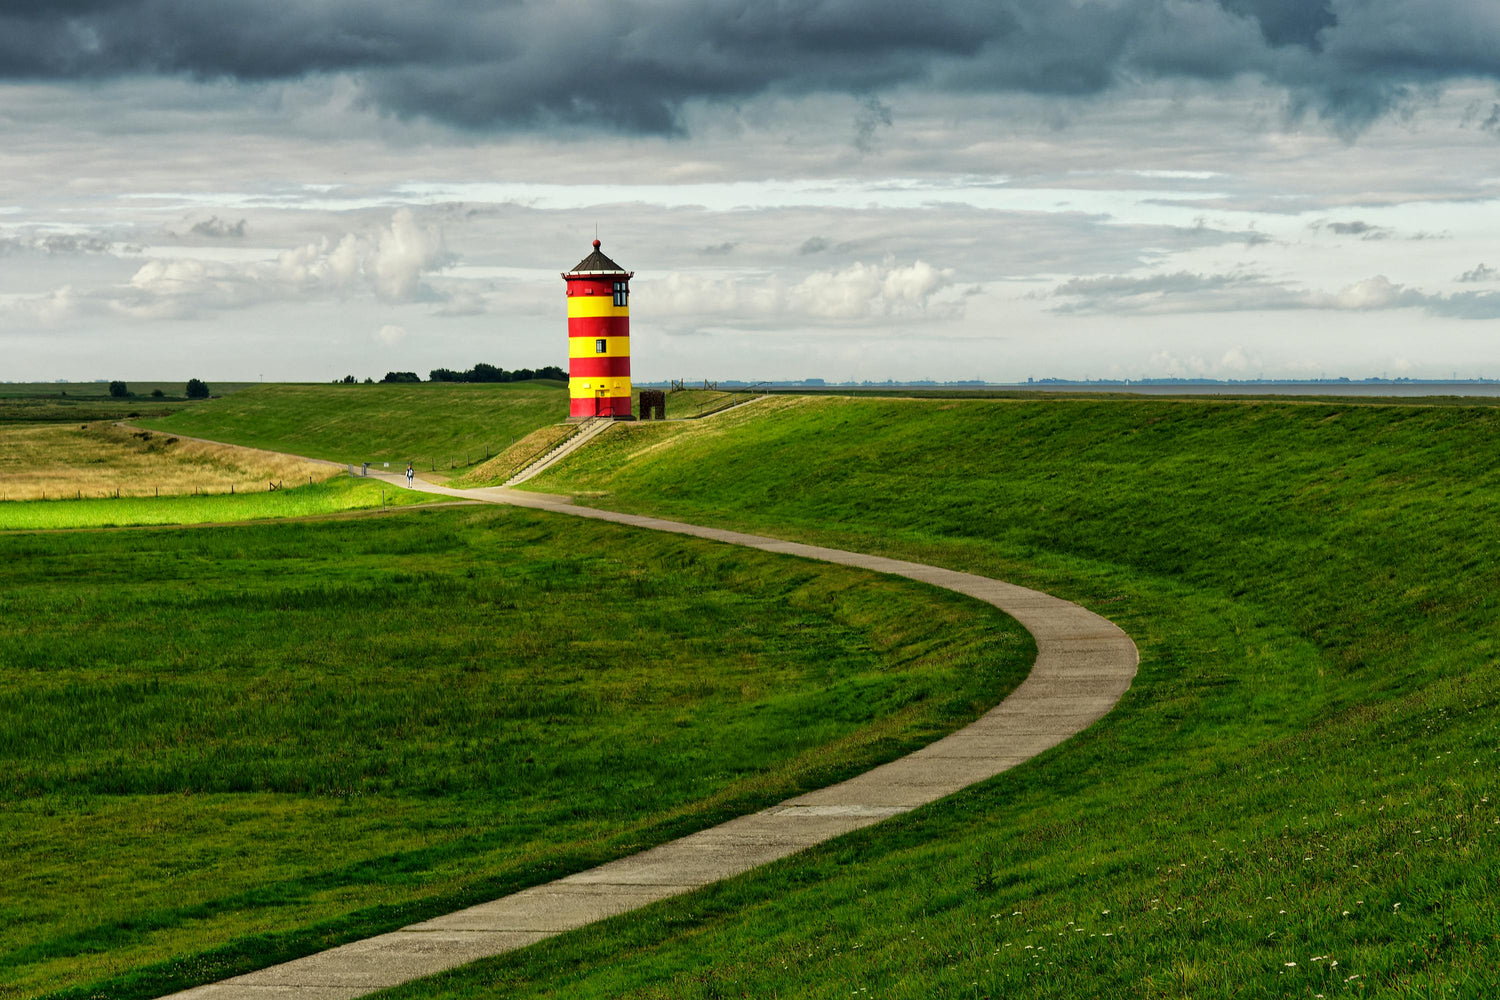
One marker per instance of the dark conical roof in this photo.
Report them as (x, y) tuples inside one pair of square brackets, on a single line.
[(597, 263)]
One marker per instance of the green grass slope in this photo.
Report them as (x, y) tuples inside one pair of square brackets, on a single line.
[(224, 747), (1298, 797), (439, 426)]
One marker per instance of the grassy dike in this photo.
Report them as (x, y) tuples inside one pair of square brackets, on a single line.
[(440, 426), (227, 746), (1299, 797)]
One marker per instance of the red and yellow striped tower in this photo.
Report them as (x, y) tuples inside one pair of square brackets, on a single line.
[(598, 338)]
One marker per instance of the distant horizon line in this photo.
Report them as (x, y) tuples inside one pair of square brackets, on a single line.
[(699, 383)]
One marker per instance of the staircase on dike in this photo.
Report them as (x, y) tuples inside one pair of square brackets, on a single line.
[(587, 431)]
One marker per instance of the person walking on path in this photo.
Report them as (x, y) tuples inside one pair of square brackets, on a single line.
[(411, 474)]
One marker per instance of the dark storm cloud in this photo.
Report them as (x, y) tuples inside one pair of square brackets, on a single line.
[(871, 116), (1287, 22), (1360, 228), (1119, 291), (57, 244), (632, 65), (216, 228)]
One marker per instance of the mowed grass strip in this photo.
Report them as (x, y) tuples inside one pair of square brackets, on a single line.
[(41, 461), (439, 426), (224, 747), (332, 496), (1299, 795)]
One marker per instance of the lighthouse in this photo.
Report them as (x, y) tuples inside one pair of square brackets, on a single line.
[(598, 338)]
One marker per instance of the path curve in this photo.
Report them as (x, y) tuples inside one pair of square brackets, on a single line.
[(1084, 664)]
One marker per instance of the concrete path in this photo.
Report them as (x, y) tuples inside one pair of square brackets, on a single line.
[(1084, 664)]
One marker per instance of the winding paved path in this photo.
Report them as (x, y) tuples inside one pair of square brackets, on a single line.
[(1084, 664)]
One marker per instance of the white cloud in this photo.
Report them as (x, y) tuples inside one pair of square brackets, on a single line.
[(52, 309), (1234, 360), (390, 335), (858, 292), (389, 264), (1372, 293), (462, 302), (1185, 292), (402, 254)]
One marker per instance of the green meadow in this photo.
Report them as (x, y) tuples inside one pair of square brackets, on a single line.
[(64, 402), (438, 426), (222, 747), (1298, 797)]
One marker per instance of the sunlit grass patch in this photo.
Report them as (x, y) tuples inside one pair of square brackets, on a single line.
[(327, 497)]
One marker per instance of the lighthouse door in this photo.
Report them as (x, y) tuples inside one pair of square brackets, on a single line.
[(601, 404)]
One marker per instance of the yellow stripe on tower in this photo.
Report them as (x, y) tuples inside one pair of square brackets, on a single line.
[(588, 388), (584, 347), (590, 306)]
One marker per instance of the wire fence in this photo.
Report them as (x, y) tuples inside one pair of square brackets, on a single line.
[(123, 493), (477, 455)]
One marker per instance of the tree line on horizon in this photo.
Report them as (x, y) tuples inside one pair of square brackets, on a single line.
[(195, 389), (479, 373)]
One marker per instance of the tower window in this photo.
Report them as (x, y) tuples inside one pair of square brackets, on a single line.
[(622, 293), (600, 346)]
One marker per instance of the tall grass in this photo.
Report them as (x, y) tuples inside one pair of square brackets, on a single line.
[(41, 461), (225, 747), (516, 457)]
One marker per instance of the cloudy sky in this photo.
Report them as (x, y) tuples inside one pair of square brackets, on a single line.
[(865, 189)]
